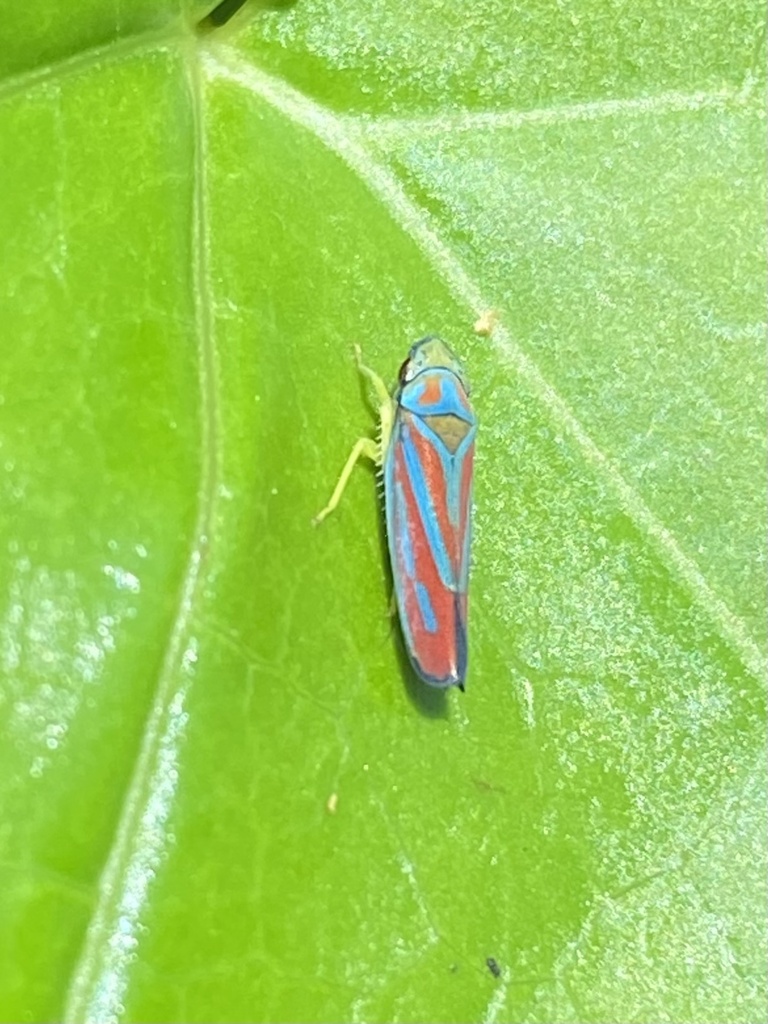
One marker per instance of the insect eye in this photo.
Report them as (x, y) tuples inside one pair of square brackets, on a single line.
[(404, 375)]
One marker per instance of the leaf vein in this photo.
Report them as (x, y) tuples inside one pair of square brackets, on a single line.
[(100, 976), (343, 138)]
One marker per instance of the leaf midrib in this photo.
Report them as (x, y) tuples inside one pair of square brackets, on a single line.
[(111, 882)]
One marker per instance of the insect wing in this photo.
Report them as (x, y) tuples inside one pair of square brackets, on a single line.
[(428, 481)]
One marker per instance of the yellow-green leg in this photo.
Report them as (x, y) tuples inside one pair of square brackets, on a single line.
[(382, 392), (365, 447)]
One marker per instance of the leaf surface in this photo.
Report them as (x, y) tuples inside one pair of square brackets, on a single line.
[(223, 797)]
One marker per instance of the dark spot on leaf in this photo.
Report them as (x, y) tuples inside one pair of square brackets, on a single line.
[(493, 967)]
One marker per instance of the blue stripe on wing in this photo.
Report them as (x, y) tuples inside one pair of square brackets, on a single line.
[(428, 616), (403, 538)]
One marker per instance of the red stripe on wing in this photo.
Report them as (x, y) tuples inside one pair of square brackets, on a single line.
[(435, 653), (437, 487)]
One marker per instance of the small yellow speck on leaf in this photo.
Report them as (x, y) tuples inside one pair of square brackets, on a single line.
[(486, 322)]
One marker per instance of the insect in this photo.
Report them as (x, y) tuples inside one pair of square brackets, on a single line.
[(493, 967), (425, 450)]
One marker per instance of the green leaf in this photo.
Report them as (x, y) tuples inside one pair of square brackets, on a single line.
[(222, 795)]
